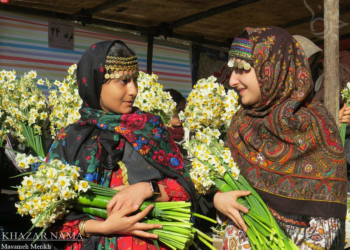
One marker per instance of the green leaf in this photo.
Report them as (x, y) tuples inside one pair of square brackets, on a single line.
[(155, 242)]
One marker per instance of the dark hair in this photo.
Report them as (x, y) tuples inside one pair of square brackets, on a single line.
[(176, 95), (119, 49)]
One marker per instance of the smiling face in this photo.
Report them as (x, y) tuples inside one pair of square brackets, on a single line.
[(246, 83), (118, 95)]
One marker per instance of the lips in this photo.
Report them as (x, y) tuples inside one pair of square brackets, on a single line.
[(130, 103), (241, 90)]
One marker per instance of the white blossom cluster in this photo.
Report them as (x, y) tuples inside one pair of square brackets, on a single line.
[(45, 194), (152, 99), (231, 107), (65, 102), (209, 106), (345, 93), (211, 160), (22, 103)]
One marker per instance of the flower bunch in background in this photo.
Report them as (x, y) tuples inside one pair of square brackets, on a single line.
[(209, 106), (24, 107), (345, 93), (65, 102), (5, 76), (152, 99)]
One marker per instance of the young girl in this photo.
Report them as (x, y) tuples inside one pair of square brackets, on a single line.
[(112, 130), (286, 145)]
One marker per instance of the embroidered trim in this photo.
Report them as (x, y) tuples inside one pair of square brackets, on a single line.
[(241, 48), (124, 172), (286, 220), (313, 246)]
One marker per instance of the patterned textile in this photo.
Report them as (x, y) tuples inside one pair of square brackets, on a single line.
[(319, 235), (287, 146), (145, 132), (177, 133), (241, 48)]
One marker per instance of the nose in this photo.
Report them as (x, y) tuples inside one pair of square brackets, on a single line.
[(233, 80), (132, 88)]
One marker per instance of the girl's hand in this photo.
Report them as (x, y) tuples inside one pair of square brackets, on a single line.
[(227, 204), (344, 115), (120, 223), (129, 196)]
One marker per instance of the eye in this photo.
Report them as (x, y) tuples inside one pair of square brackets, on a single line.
[(123, 81)]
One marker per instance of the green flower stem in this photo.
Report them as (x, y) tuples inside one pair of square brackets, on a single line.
[(206, 243), (204, 217), (93, 200), (166, 223), (166, 243), (99, 212), (179, 230), (176, 236), (203, 235)]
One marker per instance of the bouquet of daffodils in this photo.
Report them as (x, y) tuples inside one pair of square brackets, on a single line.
[(213, 167), (346, 96), (45, 194), (24, 107), (152, 99), (49, 193), (209, 106), (65, 102)]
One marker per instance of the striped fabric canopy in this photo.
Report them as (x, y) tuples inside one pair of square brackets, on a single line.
[(24, 47)]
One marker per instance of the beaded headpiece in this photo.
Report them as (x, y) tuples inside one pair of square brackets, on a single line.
[(241, 49), (128, 65)]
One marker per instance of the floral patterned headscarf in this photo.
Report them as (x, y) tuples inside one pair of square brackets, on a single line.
[(288, 146)]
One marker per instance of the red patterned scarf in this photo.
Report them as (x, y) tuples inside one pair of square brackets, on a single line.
[(287, 145)]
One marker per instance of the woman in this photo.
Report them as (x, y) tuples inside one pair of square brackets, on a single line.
[(176, 130), (286, 145), (112, 130)]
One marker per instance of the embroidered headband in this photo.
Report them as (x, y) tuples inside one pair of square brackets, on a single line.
[(241, 49), (128, 65)]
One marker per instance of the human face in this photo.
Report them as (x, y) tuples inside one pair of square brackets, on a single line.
[(118, 96), (246, 83), (176, 122)]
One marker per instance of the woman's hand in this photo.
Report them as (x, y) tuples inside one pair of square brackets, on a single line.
[(227, 204), (344, 115), (129, 196), (120, 223)]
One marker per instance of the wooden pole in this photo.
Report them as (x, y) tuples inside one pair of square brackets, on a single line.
[(331, 57), (150, 53)]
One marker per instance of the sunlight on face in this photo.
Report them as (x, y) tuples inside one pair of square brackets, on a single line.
[(246, 83), (118, 95)]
